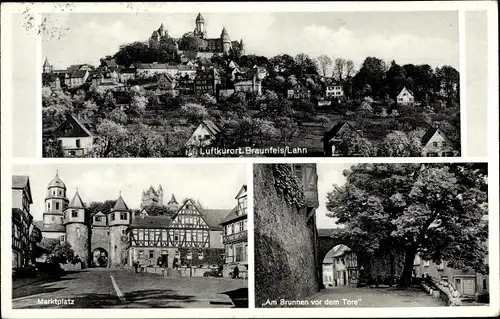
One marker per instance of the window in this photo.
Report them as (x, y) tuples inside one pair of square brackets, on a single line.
[(200, 255), (444, 278), (48, 206), (435, 144), (141, 253), (178, 254), (112, 216), (432, 154), (57, 206), (62, 239), (78, 143), (426, 263), (176, 235), (123, 216), (189, 255), (59, 192), (151, 254), (74, 213), (443, 144), (485, 284), (77, 231), (97, 218), (229, 229), (123, 231)]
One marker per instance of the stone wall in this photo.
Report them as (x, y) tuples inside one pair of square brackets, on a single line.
[(99, 239), (285, 261), (118, 246), (77, 235)]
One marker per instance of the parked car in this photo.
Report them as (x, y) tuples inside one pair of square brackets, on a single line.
[(212, 273)]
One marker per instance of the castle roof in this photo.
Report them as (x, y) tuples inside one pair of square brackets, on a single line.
[(199, 18), (56, 182), (46, 63), (76, 202), (19, 181), (224, 35), (120, 205), (57, 228)]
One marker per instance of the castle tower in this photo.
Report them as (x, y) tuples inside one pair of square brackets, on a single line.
[(55, 202), (225, 41), (242, 48), (77, 231), (160, 195), (200, 31), (47, 67), (161, 31), (119, 220), (173, 205)]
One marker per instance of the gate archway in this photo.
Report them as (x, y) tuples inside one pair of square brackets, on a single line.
[(100, 257)]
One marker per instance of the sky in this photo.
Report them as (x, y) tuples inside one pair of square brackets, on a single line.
[(407, 37), (328, 175), (215, 185)]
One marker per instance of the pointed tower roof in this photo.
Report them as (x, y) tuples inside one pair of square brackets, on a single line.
[(159, 187), (224, 35), (56, 182), (199, 18), (46, 63), (120, 205), (173, 200), (161, 26), (76, 202)]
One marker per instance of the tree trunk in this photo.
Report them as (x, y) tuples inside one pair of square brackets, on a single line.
[(405, 279)]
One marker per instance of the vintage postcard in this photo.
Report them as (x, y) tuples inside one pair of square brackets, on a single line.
[(250, 159)]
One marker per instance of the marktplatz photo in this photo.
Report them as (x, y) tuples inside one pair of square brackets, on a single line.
[(371, 235), (129, 236), (267, 84)]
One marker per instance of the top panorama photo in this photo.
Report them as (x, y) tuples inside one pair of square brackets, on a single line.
[(296, 84)]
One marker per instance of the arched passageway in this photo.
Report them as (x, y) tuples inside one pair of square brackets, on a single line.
[(340, 267), (99, 257)]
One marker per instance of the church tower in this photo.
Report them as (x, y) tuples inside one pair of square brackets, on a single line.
[(242, 48), (119, 220), (225, 41), (77, 231), (55, 202), (173, 205), (200, 31)]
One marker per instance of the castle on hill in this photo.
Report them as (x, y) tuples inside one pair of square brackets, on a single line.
[(222, 44)]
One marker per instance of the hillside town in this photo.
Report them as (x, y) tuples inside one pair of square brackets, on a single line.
[(178, 97), (170, 241)]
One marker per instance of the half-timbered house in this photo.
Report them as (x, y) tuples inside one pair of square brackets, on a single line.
[(154, 240)]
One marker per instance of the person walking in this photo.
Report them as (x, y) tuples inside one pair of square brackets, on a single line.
[(236, 273), (136, 266)]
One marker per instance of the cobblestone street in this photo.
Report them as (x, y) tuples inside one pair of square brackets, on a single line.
[(118, 288), (374, 297)]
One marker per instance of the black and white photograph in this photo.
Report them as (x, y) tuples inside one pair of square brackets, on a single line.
[(371, 235), (129, 236), (266, 84)]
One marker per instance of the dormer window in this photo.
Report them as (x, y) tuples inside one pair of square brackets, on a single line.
[(74, 213)]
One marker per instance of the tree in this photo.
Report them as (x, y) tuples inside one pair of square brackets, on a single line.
[(324, 62), (104, 207), (434, 210), (208, 100), (118, 116), (52, 148), (188, 42), (194, 112), (304, 65), (349, 68), (448, 79), (352, 144), (371, 74), (338, 68), (110, 140), (400, 144), (62, 253), (138, 104)]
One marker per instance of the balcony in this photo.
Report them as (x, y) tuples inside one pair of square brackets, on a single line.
[(237, 237)]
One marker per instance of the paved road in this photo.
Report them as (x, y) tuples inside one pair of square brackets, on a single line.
[(374, 297), (118, 288)]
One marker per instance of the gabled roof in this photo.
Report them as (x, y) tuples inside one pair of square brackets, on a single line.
[(233, 216), (79, 74), (76, 202), (120, 205), (337, 128), (57, 228), (214, 129), (403, 89), (19, 181), (243, 189), (430, 133), (22, 182), (72, 127), (213, 217)]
